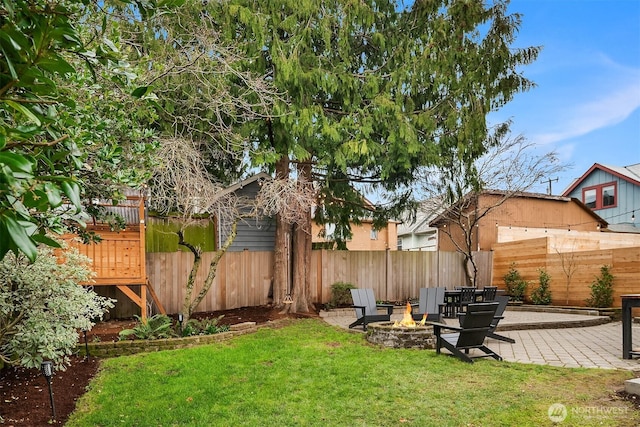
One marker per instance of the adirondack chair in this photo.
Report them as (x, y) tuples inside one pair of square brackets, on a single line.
[(431, 302), (470, 334), (502, 301), (364, 302)]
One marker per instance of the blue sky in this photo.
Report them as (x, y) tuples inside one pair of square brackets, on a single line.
[(586, 106)]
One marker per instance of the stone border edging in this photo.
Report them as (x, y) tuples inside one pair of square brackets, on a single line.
[(128, 347)]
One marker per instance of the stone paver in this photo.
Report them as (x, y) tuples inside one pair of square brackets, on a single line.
[(590, 347)]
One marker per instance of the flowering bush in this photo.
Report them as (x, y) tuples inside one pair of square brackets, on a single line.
[(42, 307)]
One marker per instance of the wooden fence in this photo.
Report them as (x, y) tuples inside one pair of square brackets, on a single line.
[(244, 278), (582, 267)]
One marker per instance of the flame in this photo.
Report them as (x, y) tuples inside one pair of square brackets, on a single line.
[(407, 321)]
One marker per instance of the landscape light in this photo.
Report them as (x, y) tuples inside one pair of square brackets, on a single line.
[(47, 370)]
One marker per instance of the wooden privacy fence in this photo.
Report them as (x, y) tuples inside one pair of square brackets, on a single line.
[(582, 265), (244, 278)]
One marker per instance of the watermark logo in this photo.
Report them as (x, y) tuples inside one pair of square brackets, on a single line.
[(557, 412)]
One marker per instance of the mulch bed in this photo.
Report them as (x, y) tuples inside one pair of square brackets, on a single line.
[(24, 393)]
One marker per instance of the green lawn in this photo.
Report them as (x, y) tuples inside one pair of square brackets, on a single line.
[(310, 373)]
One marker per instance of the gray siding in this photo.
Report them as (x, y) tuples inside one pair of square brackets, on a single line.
[(253, 234)]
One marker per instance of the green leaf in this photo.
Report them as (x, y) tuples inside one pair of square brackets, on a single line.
[(24, 110), (16, 162), (41, 238), (141, 91), (53, 195), (19, 237), (72, 190)]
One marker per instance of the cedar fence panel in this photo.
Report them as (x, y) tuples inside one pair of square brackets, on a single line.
[(244, 278), (582, 266)]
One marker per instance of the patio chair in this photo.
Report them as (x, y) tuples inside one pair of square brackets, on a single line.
[(467, 296), (470, 334), (489, 293), (431, 302), (364, 302), (502, 305)]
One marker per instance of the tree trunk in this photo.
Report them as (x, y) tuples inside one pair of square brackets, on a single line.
[(282, 251), (189, 304), (301, 273)]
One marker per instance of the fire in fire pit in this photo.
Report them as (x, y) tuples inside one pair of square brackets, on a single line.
[(402, 334), (407, 320)]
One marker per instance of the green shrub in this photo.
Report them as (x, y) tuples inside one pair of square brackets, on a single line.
[(42, 307), (542, 294), (515, 284), (340, 294), (155, 327), (602, 289), (204, 327)]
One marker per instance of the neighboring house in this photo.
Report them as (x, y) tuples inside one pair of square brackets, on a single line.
[(258, 234), (253, 234), (522, 211), (364, 236), (418, 235), (613, 193)]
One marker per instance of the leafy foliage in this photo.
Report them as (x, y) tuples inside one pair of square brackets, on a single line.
[(204, 327), (155, 327), (515, 284), (67, 123), (42, 307), (542, 294), (340, 294), (602, 289)]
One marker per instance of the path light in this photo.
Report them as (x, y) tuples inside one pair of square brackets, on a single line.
[(47, 370), (180, 320), (86, 345)]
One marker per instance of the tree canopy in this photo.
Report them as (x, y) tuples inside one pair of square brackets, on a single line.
[(66, 134), (372, 92)]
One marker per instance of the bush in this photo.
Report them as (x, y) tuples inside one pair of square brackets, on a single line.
[(42, 307), (155, 327), (204, 327), (515, 284), (340, 295), (602, 289), (542, 294)]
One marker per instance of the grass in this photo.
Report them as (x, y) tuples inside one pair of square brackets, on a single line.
[(311, 374)]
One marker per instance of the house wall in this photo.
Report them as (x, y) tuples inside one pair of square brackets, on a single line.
[(522, 212), (419, 242), (628, 196), (361, 240), (253, 234)]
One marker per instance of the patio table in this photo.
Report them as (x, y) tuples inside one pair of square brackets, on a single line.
[(452, 300)]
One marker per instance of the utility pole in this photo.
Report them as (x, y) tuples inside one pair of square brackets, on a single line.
[(549, 181)]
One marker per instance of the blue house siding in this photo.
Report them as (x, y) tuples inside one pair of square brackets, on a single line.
[(253, 234), (627, 194)]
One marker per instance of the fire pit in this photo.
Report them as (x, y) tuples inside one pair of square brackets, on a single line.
[(402, 334)]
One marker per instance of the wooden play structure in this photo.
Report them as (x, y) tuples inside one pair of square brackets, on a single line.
[(119, 259)]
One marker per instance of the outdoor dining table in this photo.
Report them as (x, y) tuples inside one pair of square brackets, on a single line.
[(452, 301)]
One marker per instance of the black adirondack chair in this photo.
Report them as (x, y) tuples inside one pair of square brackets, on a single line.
[(431, 302), (502, 304), (470, 334), (364, 302), (502, 301)]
